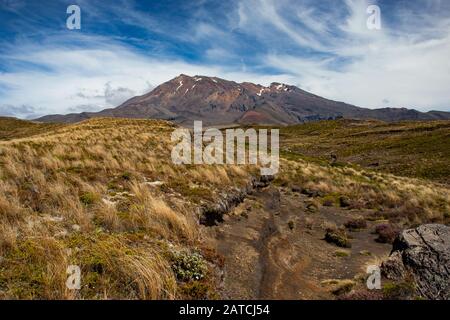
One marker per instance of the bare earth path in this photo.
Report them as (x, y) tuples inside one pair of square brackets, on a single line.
[(274, 248)]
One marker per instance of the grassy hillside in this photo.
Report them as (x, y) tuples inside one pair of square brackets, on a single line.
[(104, 194), (11, 128), (413, 149)]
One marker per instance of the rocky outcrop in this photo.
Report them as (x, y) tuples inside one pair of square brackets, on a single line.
[(213, 214), (424, 254)]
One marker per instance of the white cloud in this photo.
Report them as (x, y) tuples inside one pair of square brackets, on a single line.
[(407, 65), (72, 80), (22, 111), (262, 17), (67, 78)]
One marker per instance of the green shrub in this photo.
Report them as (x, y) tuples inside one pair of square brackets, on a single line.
[(89, 198), (356, 224), (195, 290), (341, 254), (188, 266), (338, 238), (399, 290)]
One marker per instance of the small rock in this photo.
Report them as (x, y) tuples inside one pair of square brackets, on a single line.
[(108, 202), (344, 201), (393, 268), (312, 193), (53, 218), (291, 225), (154, 183), (333, 158)]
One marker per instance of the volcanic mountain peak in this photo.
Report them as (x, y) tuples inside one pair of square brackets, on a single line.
[(183, 79), (216, 101), (184, 84)]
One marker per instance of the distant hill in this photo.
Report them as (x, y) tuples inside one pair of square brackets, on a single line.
[(12, 128), (217, 101), (419, 149)]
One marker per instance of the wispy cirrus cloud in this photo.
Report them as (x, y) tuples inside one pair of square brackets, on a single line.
[(404, 63), (22, 111), (101, 76)]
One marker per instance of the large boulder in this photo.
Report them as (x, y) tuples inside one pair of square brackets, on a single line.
[(424, 254)]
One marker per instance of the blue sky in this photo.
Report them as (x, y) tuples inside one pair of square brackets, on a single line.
[(127, 47)]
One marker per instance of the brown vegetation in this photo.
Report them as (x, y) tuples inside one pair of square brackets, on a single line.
[(83, 195), (104, 194)]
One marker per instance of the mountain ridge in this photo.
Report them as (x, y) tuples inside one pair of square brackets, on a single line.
[(217, 101)]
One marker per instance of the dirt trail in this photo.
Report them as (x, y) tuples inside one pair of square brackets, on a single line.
[(274, 248)]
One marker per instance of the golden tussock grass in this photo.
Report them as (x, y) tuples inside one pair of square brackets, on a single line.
[(83, 195), (80, 194), (405, 200)]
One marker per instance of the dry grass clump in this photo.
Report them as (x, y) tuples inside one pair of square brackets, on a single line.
[(34, 268), (123, 266), (103, 194), (158, 217), (338, 237), (339, 287), (112, 266)]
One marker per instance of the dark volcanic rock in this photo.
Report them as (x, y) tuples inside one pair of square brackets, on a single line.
[(424, 253), (312, 193), (212, 215), (344, 201)]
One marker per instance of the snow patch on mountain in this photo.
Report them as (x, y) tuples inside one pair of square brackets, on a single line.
[(181, 84)]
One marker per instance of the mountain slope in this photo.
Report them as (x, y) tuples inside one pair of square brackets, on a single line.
[(12, 128), (419, 149), (218, 102)]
